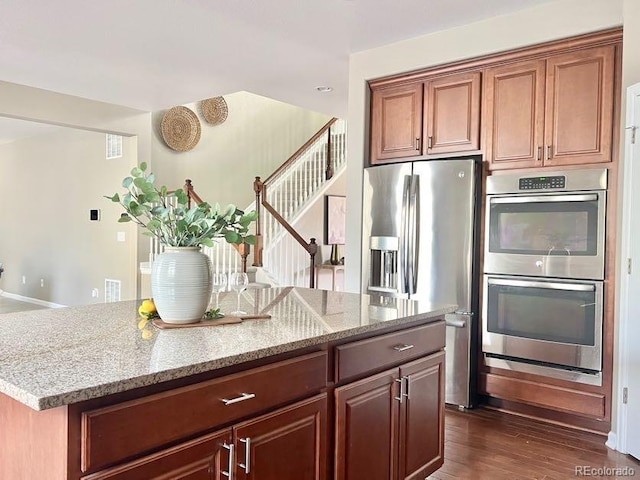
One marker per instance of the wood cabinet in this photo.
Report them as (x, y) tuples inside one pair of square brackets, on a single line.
[(289, 443), (390, 425), (426, 118), (452, 107), (396, 122), (552, 112), (115, 432), (269, 421), (195, 460)]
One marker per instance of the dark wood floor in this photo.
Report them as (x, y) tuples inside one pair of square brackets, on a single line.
[(483, 444)]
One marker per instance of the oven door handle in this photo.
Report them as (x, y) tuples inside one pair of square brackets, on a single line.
[(574, 287), (589, 197)]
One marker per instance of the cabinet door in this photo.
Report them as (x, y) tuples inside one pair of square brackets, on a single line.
[(422, 418), (579, 107), (198, 459), (396, 122), (288, 444), (452, 121), (366, 428), (514, 113)]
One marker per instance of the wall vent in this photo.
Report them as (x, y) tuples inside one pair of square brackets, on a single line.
[(114, 146), (112, 290)]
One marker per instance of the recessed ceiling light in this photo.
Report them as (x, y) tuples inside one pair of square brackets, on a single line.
[(324, 89)]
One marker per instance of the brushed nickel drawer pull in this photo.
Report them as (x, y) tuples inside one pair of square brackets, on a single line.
[(247, 455), (403, 347), (402, 394), (229, 472), (241, 398)]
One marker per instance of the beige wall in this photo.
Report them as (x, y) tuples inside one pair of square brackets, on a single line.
[(554, 20), (48, 184), (257, 137)]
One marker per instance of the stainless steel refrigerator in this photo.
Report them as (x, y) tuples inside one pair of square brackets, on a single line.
[(420, 240)]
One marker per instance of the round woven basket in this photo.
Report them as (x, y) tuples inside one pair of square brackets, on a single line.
[(180, 129), (214, 110)]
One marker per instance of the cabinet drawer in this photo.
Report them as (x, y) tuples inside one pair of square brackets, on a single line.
[(359, 358), (121, 431)]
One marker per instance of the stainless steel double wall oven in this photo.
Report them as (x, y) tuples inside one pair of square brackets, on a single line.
[(543, 273)]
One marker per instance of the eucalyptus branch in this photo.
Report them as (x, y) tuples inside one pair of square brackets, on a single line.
[(149, 207)]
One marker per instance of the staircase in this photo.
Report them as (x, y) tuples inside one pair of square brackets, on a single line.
[(280, 258), (287, 194)]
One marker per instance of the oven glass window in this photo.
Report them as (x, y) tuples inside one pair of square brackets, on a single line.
[(562, 316), (544, 228)]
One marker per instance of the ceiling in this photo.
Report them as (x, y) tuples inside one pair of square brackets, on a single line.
[(154, 54)]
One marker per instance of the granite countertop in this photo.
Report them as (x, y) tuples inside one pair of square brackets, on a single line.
[(55, 357)]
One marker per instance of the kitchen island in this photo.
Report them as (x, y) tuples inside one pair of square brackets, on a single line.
[(86, 394)]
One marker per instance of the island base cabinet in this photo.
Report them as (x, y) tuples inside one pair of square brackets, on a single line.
[(422, 418), (288, 444), (390, 426), (195, 460)]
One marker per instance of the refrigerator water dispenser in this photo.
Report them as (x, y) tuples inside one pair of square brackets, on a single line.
[(384, 264)]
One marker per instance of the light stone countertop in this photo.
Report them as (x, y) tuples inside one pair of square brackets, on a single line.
[(55, 357)]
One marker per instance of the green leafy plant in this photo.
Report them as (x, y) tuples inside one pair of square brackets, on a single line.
[(179, 225)]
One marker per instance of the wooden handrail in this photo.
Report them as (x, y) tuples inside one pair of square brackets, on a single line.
[(301, 150), (311, 247)]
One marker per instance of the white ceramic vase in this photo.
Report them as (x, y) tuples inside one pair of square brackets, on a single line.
[(181, 284)]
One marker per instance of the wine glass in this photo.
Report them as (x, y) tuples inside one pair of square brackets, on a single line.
[(219, 283), (238, 282)]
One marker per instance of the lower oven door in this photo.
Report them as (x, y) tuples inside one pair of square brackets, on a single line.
[(551, 322)]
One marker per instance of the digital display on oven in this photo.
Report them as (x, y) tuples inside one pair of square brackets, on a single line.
[(541, 183)]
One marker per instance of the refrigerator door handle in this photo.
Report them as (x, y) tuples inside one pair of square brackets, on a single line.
[(415, 230), (404, 236)]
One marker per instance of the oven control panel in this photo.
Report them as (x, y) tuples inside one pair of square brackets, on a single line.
[(541, 183)]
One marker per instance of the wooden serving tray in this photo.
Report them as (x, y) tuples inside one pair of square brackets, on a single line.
[(226, 320)]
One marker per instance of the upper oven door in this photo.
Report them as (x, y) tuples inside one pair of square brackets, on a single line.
[(550, 235)]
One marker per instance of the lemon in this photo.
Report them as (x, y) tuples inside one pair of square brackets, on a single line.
[(147, 308)]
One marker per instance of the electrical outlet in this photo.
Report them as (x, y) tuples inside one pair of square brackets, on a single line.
[(42, 282), (24, 280), (95, 293)]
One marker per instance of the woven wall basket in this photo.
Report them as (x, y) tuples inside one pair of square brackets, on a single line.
[(180, 129), (214, 110)]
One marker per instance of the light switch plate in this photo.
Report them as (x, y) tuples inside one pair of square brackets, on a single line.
[(121, 237)]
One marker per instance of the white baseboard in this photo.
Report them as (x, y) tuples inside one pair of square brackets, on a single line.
[(35, 301), (612, 441)]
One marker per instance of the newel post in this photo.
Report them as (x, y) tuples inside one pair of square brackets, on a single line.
[(257, 252), (312, 248)]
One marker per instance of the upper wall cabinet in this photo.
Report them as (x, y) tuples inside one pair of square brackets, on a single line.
[(439, 116), (554, 112), (396, 122)]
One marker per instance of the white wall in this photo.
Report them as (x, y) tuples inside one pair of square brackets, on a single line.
[(257, 137), (559, 19)]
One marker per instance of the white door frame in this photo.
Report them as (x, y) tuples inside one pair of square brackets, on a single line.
[(618, 439)]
